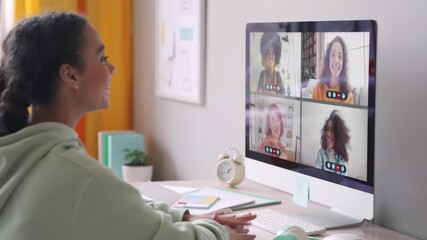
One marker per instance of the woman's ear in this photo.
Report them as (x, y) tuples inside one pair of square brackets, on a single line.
[(68, 75)]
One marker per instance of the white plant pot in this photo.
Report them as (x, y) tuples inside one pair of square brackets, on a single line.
[(137, 173)]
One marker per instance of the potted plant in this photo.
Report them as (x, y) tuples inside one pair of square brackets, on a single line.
[(139, 167)]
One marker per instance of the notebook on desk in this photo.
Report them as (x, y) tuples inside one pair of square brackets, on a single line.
[(156, 192), (196, 201), (231, 199), (227, 198), (259, 201)]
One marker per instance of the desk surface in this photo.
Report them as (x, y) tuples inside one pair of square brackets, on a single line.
[(366, 229)]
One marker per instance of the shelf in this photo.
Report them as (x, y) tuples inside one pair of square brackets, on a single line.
[(309, 55)]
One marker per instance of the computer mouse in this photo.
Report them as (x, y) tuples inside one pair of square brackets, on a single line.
[(344, 236)]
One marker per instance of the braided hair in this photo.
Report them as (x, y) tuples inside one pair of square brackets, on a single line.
[(29, 70)]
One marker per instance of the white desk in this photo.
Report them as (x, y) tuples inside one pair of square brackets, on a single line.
[(366, 230)]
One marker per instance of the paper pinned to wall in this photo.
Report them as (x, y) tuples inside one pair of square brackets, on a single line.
[(180, 49)]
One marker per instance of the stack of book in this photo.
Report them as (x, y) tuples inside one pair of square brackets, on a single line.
[(112, 145)]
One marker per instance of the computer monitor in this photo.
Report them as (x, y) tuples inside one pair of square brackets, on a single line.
[(310, 111)]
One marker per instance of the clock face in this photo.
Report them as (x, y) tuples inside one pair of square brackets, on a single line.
[(225, 170)]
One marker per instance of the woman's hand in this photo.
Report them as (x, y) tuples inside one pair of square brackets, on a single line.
[(233, 223), (239, 233), (234, 220)]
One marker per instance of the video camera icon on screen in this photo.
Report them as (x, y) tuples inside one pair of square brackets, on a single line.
[(271, 150), (336, 95), (336, 167)]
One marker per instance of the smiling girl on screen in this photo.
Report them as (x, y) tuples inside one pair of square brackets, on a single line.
[(334, 75), (334, 140), (274, 129), (49, 187), (270, 81)]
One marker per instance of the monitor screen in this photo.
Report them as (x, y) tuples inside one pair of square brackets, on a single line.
[(310, 99)]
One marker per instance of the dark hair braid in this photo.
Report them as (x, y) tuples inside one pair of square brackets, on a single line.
[(33, 53)]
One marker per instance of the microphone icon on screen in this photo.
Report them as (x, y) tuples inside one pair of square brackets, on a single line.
[(272, 87), (271, 150), (336, 167), (336, 95)]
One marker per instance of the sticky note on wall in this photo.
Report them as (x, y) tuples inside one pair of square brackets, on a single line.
[(186, 34)]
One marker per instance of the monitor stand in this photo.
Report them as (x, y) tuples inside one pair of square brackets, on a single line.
[(327, 218), (324, 198)]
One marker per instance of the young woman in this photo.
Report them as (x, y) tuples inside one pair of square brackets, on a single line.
[(274, 130), (334, 140), (270, 81), (49, 187), (334, 74)]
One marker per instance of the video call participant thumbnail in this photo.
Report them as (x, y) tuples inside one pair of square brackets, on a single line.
[(270, 81), (334, 84), (334, 140), (274, 129)]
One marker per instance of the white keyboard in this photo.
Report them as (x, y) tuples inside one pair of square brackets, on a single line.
[(273, 221)]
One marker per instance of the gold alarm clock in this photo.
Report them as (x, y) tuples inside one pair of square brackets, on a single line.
[(230, 169)]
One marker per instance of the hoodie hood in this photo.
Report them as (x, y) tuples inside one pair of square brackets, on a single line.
[(21, 151)]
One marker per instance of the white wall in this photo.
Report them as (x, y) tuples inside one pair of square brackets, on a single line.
[(6, 19), (187, 139)]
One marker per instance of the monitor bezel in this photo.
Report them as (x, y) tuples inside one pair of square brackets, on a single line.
[(320, 26)]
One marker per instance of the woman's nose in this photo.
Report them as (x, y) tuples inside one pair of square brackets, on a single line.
[(112, 69)]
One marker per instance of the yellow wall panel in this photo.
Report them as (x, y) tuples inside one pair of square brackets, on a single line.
[(112, 19)]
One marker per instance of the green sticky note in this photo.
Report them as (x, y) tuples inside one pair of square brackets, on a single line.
[(301, 190)]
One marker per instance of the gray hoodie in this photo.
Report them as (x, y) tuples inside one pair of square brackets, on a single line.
[(51, 189)]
